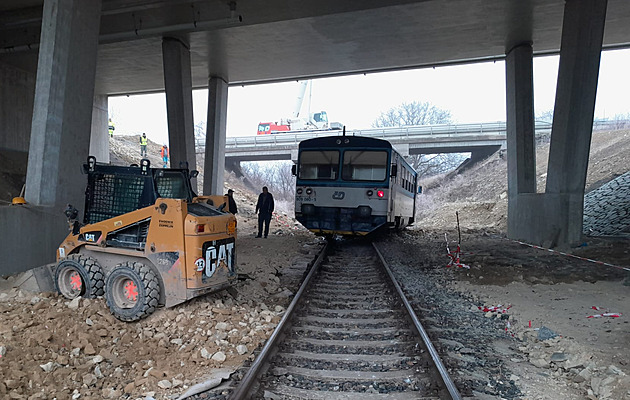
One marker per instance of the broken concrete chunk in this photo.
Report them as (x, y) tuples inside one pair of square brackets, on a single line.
[(165, 384), (539, 362), (48, 367), (545, 333), (219, 356), (558, 357)]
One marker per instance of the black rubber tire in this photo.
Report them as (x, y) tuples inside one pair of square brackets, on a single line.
[(92, 277), (130, 276)]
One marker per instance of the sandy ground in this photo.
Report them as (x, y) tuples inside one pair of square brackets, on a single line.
[(498, 310), (554, 291)]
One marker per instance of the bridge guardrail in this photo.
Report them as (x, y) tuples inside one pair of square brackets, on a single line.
[(395, 133), (390, 133)]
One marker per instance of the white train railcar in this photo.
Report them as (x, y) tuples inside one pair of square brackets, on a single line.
[(353, 185)]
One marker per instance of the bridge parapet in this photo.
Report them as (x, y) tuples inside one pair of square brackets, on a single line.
[(404, 134)]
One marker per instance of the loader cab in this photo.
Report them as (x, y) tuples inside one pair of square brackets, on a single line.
[(172, 184), (115, 190)]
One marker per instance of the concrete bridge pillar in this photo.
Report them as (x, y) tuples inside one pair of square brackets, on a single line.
[(402, 148), (572, 128), (99, 140), (555, 217), (521, 142), (179, 109), (214, 167), (234, 165), (62, 111), (59, 135)]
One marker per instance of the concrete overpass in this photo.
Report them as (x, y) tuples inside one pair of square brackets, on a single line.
[(479, 139), (60, 59)]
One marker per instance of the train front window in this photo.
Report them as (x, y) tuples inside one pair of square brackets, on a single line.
[(321, 165), (364, 165)]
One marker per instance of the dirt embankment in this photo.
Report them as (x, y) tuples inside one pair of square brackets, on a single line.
[(480, 193)]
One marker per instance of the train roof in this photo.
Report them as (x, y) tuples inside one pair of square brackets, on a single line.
[(344, 141)]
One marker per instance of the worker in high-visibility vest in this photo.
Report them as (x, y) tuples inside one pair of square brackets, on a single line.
[(111, 128), (164, 154), (143, 144)]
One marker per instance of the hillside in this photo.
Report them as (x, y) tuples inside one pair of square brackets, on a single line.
[(480, 193)]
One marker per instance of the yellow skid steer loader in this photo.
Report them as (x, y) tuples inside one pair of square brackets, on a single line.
[(147, 240)]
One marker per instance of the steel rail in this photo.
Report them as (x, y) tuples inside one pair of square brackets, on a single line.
[(448, 382), (244, 388)]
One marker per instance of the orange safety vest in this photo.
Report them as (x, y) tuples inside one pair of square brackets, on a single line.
[(164, 152)]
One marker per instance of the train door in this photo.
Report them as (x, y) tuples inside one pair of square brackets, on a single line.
[(394, 177)]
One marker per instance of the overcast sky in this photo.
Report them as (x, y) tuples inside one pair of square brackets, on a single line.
[(472, 93)]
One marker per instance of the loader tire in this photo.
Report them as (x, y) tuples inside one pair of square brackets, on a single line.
[(132, 291), (79, 275)]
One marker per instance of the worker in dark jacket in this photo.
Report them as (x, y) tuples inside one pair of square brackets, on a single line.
[(231, 202), (264, 209)]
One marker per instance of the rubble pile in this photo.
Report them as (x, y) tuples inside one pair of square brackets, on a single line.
[(565, 359), (52, 347)]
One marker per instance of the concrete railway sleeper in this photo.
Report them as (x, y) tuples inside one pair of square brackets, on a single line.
[(348, 334)]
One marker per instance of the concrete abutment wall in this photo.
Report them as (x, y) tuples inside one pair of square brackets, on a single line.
[(17, 92)]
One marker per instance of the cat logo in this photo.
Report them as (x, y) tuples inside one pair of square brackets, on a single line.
[(90, 236), (339, 195), (217, 252)]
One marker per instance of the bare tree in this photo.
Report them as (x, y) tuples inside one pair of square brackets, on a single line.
[(621, 121), (284, 180), (255, 173), (546, 116), (414, 113), (275, 175), (200, 134), (421, 113), (433, 164), (200, 130)]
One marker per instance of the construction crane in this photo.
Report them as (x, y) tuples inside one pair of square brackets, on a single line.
[(300, 121)]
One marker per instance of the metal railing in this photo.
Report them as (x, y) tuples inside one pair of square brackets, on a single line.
[(404, 133)]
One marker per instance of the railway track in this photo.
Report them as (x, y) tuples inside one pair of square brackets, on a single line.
[(348, 334)]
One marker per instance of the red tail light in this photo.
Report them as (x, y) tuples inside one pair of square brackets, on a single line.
[(380, 193), (200, 228)]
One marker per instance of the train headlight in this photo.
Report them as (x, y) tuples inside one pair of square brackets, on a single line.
[(380, 193), (309, 191), (308, 209), (299, 191), (369, 193), (365, 211)]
